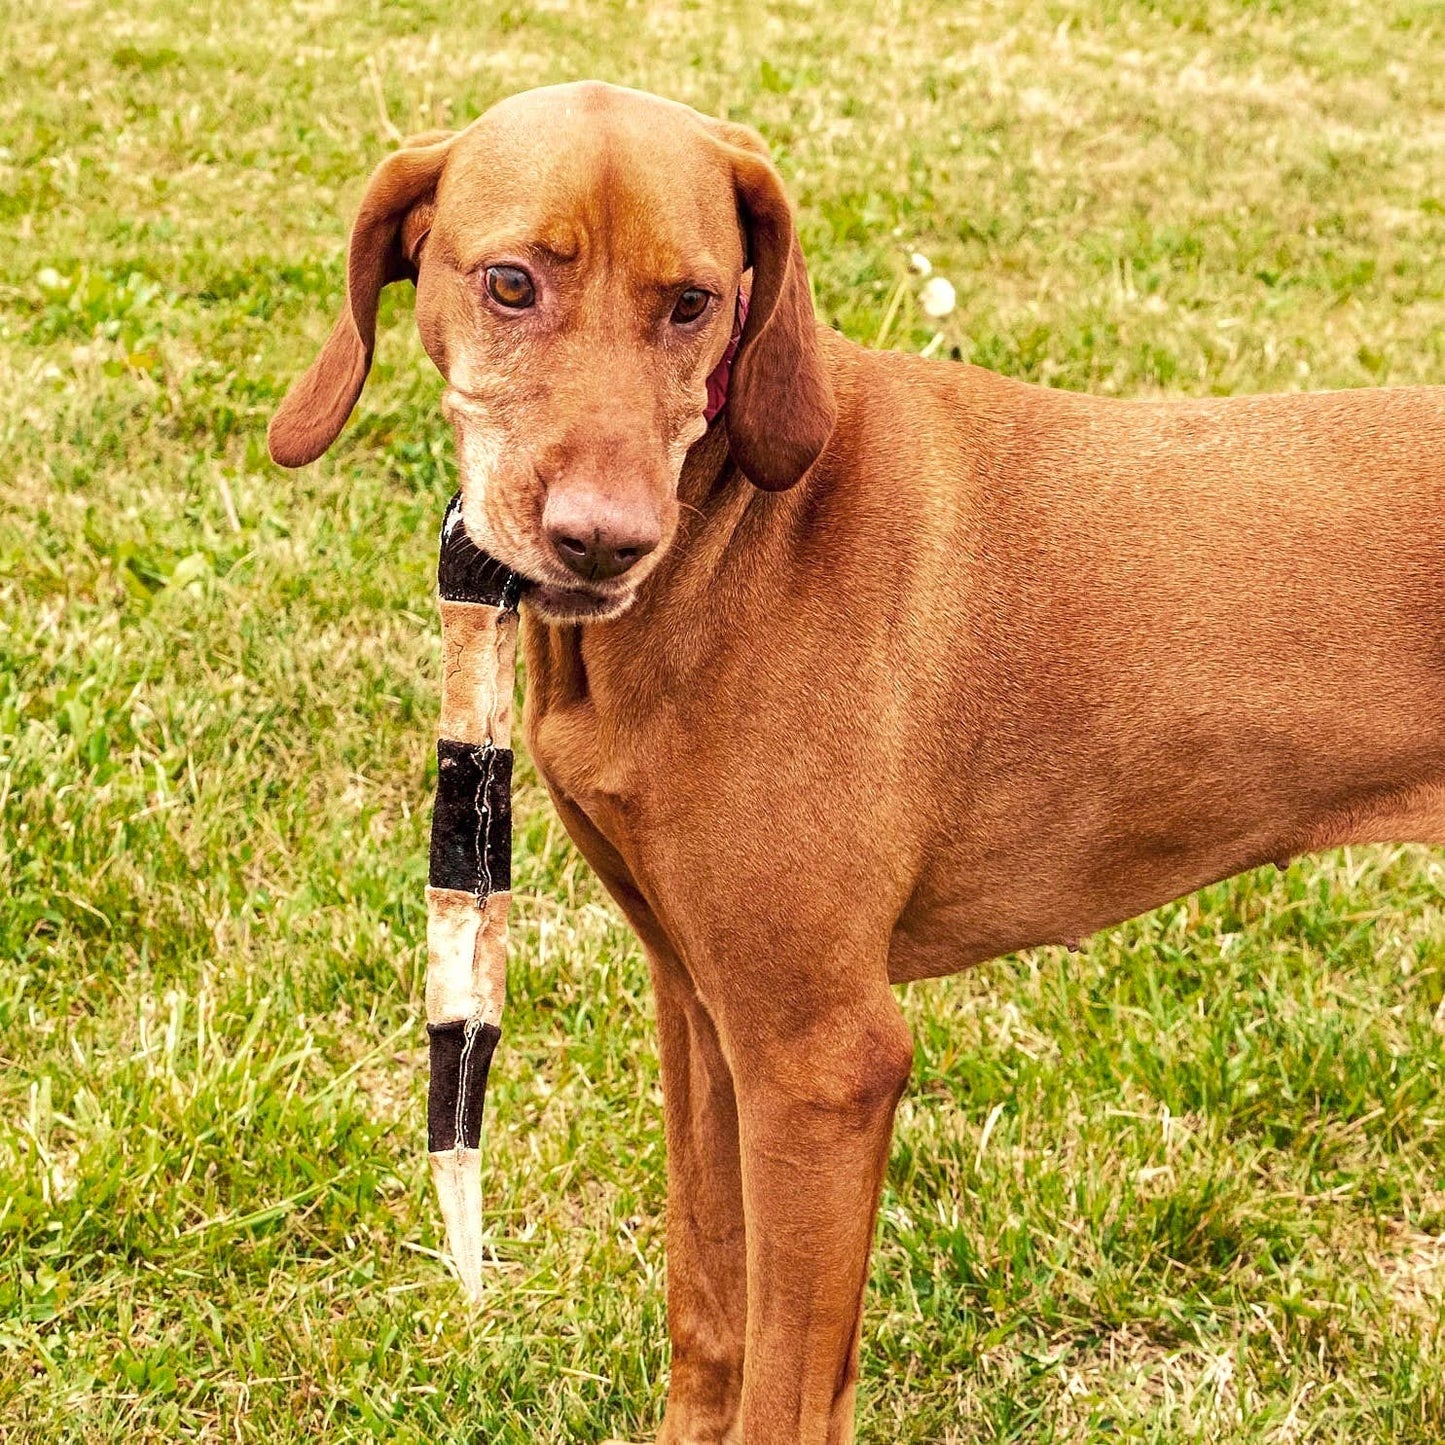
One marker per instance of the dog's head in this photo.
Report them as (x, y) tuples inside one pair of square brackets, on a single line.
[(578, 253)]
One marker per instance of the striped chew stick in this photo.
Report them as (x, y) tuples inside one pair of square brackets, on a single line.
[(469, 890)]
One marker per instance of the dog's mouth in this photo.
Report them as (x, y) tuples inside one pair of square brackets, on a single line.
[(574, 600), (554, 603)]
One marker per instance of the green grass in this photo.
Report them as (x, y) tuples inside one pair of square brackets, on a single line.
[(1182, 1186)]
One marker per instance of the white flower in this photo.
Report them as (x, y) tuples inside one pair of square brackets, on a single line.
[(937, 298), (920, 264)]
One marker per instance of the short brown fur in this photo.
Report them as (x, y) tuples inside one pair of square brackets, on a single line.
[(987, 666)]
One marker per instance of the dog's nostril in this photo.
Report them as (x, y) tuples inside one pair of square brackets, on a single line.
[(598, 547)]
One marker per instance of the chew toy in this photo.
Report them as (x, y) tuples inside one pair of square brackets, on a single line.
[(469, 884)]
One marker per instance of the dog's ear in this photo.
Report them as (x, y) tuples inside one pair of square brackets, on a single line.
[(780, 404), (395, 215)]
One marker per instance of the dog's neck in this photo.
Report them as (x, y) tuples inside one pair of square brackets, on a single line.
[(640, 653)]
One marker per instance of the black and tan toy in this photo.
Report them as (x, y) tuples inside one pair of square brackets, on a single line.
[(469, 890)]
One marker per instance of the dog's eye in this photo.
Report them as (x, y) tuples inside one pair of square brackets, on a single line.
[(510, 286), (691, 304)]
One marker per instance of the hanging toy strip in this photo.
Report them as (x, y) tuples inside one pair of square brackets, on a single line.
[(470, 881)]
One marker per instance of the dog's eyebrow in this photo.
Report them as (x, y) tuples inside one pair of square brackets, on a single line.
[(558, 247), (561, 247), (702, 271)]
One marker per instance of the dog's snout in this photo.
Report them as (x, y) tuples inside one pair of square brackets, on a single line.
[(595, 539)]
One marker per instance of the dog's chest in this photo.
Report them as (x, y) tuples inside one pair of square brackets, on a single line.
[(638, 791), (593, 767), (607, 738)]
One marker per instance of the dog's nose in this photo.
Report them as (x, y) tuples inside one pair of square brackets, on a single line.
[(595, 540)]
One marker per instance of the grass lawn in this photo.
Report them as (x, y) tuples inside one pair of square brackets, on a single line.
[(1184, 1185)]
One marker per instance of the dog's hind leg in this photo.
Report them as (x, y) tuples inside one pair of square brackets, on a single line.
[(1413, 815)]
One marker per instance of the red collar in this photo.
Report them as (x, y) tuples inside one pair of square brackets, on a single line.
[(717, 383)]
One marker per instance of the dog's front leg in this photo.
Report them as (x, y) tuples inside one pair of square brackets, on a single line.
[(706, 1260), (817, 1082)]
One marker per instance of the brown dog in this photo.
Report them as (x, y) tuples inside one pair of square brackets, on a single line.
[(896, 666)]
